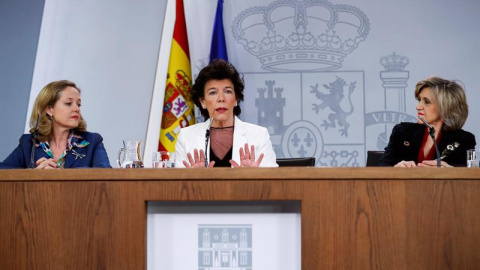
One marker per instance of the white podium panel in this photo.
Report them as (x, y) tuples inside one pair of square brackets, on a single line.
[(224, 235)]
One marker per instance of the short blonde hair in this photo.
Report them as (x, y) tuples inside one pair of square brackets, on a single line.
[(47, 97), (451, 99)]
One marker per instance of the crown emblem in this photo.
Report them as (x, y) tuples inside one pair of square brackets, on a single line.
[(394, 62), (301, 34)]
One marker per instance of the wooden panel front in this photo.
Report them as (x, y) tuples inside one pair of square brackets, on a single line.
[(365, 218)]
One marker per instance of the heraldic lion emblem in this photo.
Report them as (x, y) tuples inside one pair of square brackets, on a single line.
[(332, 101)]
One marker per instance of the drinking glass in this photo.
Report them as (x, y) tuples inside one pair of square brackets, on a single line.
[(163, 159), (473, 158)]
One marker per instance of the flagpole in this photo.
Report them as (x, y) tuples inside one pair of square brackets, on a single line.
[(156, 106)]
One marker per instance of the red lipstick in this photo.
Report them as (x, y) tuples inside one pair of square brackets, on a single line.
[(221, 110)]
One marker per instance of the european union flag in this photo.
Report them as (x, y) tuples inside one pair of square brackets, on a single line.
[(218, 50)]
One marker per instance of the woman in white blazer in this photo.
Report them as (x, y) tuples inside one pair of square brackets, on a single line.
[(222, 140)]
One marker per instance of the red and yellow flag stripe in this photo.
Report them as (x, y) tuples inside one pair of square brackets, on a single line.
[(178, 106)]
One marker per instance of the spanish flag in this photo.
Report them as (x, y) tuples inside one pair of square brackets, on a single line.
[(178, 106)]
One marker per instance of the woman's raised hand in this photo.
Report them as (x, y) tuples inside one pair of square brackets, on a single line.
[(197, 161), (247, 158)]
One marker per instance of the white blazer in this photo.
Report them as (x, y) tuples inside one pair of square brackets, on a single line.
[(193, 137)]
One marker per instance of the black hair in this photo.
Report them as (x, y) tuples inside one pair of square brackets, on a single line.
[(218, 69)]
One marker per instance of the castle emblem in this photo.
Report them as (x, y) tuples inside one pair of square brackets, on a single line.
[(301, 35)]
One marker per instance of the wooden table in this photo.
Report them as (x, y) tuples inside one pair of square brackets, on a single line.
[(352, 218)]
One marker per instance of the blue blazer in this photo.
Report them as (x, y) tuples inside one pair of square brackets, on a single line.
[(93, 155)]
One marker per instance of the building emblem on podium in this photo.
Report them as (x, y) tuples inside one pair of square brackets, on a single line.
[(225, 247)]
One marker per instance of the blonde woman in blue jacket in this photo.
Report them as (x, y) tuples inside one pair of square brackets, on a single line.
[(58, 134)]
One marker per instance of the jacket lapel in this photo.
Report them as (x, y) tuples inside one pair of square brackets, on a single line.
[(76, 154), (39, 153), (200, 139), (239, 139), (415, 138), (448, 137), (70, 159)]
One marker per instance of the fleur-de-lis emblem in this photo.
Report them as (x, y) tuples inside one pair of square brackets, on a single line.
[(77, 155)]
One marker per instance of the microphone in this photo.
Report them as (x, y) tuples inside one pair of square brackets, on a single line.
[(207, 138), (34, 139), (431, 131)]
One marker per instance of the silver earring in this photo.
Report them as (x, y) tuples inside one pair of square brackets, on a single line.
[(204, 107), (236, 104)]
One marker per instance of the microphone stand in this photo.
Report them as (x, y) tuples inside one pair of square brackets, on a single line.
[(34, 139), (431, 131), (207, 138)]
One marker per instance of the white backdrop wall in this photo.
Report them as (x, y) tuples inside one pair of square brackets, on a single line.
[(110, 48), (19, 30)]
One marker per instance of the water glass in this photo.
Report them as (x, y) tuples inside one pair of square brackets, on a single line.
[(473, 158), (163, 159)]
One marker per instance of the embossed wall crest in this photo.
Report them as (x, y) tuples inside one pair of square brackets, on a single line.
[(311, 105), (306, 120), (309, 108), (304, 35), (394, 79)]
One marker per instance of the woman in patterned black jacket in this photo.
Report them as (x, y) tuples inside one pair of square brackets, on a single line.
[(442, 104)]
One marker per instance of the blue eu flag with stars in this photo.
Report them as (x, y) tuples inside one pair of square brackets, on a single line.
[(218, 49)]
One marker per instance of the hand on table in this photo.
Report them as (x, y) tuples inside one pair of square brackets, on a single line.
[(44, 163)]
